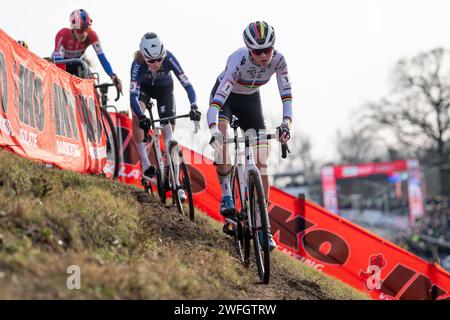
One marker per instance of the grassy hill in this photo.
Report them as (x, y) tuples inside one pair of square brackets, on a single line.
[(126, 244)]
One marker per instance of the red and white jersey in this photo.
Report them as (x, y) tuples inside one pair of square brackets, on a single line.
[(67, 47)]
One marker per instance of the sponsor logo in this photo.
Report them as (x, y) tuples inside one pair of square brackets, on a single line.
[(285, 82), (97, 152), (28, 138), (133, 86), (5, 127), (372, 276), (184, 79), (68, 149), (350, 171), (226, 88)]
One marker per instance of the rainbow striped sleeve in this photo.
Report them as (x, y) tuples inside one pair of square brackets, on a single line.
[(213, 112)]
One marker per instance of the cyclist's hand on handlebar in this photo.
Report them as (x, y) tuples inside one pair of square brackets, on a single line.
[(117, 82), (284, 133), (144, 123), (194, 114)]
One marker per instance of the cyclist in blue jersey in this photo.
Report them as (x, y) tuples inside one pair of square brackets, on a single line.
[(151, 78), (236, 92)]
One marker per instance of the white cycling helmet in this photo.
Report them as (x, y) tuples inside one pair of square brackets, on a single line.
[(80, 19), (259, 35), (151, 46)]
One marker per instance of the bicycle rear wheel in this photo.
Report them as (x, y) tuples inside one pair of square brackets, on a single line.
[(260, 232), (242, 236), (184, 182), (112, 144)]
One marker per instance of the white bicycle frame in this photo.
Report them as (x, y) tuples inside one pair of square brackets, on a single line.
[(159, 159), (244, 170), (169, 139)]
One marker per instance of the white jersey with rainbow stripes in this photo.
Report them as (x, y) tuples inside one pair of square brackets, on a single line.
[(243, 76)]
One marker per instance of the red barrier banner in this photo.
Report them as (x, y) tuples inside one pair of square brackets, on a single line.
[(323, 240), (130, 166), (368, 169), (47, 114)]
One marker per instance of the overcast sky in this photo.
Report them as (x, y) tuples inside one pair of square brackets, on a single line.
[(339, 53)]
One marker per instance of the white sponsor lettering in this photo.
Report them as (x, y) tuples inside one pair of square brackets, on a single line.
[(68, 149), (5, 127), (97, 152), (28, 138), (134, 174), (310, 263), (374, 281)]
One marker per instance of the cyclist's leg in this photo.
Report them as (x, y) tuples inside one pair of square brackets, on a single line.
[(138, 136), (166, 107), (221, 158)]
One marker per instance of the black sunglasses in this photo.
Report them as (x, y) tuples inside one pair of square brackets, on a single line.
[(154, 60), (259, 52)]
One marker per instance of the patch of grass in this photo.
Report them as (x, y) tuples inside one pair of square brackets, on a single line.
[(126, 244)]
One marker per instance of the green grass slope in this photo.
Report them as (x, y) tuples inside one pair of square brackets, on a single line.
[(126, 245)]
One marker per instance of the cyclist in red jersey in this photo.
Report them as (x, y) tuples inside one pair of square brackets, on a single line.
[(73, 42)]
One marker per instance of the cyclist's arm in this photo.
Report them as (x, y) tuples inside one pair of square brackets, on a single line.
[(58, 52), (226, 84), (175, 66), (285, 88), (94, 40), (135, 88)]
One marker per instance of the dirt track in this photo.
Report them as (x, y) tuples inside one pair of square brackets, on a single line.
[(284, 284)]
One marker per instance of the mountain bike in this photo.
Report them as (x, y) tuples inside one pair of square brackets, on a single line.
[(112, 141), (174, 176), (252, 220)]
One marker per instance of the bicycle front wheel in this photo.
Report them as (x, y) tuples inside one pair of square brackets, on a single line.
[(112, 145), (181, 173), (242, 237), (260, 232)]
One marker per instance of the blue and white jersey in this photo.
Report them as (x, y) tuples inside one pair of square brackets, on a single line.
[(141, 74)]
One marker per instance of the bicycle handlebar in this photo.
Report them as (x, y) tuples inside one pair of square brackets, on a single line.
[(284, 150), (146, 135), (284, 146), (171, 118), (105, 86)]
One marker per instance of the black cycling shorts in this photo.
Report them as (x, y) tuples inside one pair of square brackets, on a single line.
[(164, 97), (246, 107)]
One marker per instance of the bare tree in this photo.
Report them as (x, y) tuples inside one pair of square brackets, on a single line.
[(417, 108), (359, 145)]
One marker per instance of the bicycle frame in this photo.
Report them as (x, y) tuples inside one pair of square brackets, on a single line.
[(244, 170), (169, 139)]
